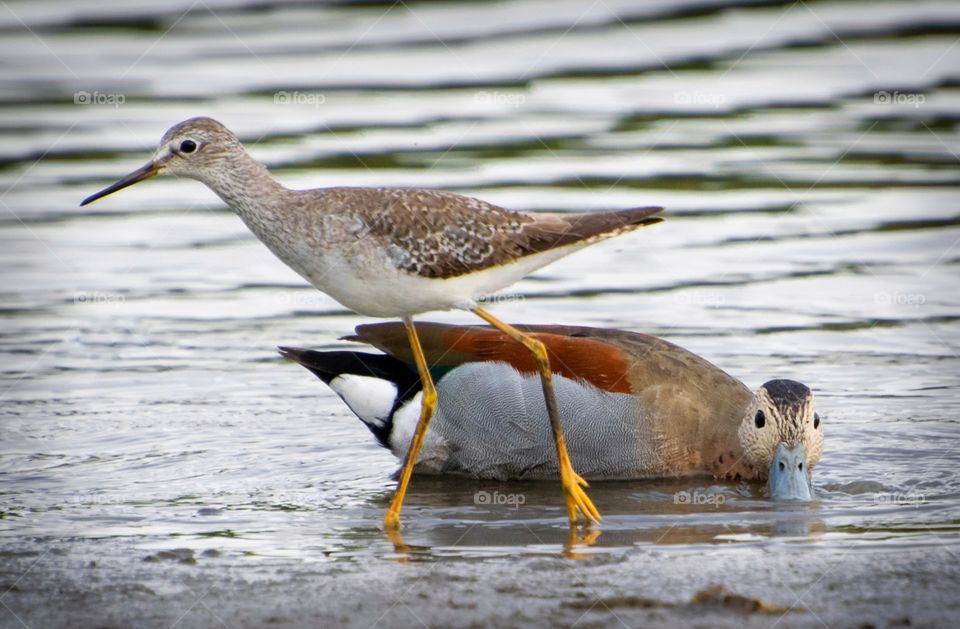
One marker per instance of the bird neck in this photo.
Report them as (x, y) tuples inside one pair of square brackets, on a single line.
[(248, 188), (271, 211)]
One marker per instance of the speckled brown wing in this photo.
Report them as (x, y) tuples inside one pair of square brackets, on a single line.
[(438, 234)]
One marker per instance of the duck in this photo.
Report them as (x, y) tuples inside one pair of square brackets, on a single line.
[(634, 406)]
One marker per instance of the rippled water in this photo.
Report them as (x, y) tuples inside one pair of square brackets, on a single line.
[(161, 465)]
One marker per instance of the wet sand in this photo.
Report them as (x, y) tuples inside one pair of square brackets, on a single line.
[(859, 584)]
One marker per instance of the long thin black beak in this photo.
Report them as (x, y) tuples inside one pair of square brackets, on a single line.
[(144, 172)]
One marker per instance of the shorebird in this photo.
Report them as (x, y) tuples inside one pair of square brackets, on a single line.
[(394, 252), (633, 406)]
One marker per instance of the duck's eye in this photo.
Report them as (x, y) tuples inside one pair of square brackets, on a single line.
[(800, 467), (188, 146), (816, 421), (782, 466), (760, 419)]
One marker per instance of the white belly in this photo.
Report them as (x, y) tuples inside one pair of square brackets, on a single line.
[(370, 285), (491, 422), (361, 275)]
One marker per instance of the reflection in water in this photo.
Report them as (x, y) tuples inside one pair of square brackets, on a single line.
[(799, 528), (579, 539), (443, 527), (540, 538)]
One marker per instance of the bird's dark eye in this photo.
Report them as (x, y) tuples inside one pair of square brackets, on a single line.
[(188, 146), (800, 467), (816, 421), (782, 466), (760, 419)]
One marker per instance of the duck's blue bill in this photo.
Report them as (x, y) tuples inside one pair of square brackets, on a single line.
[(789, 476)]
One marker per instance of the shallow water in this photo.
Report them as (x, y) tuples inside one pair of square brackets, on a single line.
[(807, 156)]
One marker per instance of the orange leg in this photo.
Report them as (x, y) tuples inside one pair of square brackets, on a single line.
[(573, 484), (392, 519)]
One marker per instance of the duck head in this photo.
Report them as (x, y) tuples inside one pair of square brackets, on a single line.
[(781, 434)]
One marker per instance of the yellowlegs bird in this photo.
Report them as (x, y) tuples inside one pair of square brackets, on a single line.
[(633, 406), (394, 252)]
